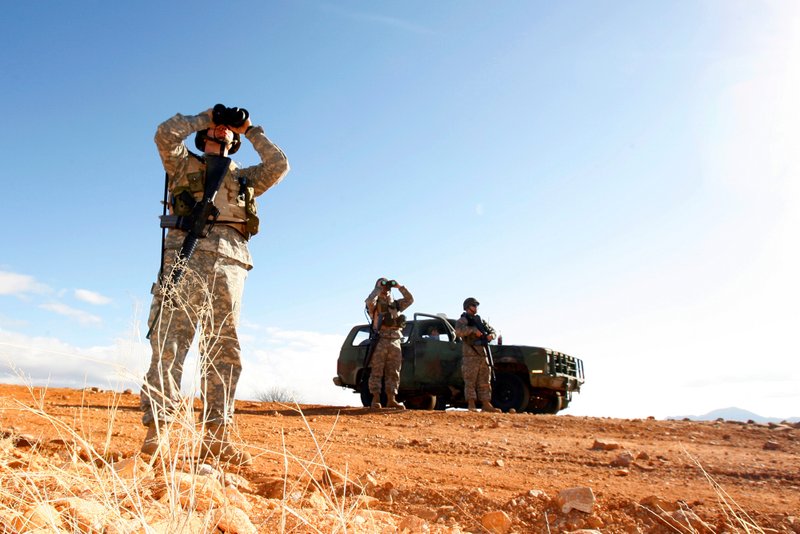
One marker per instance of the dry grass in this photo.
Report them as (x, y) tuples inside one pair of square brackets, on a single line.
[(77, 483), (686, 521)]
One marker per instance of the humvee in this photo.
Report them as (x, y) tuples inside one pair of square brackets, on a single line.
[(526, 379)]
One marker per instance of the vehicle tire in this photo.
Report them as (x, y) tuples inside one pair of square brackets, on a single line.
[(366, 396), (421, 402), (510, 391), (545, 403)]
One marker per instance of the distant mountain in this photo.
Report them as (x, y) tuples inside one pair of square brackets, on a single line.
[(734, 414)]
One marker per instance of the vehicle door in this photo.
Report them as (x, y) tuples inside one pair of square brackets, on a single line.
[(407, 380), (437, 356)]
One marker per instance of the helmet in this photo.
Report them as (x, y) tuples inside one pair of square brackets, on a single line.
[(201, 136), (471, 301)]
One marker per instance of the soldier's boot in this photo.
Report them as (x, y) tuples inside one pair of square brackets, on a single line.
[(391, 402), (217, 445), (471, 406), (488, 407), (151, 439), (376, 401)]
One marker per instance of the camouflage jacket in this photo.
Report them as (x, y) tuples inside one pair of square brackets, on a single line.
[(378, 303), (181, 166), (470, 334)]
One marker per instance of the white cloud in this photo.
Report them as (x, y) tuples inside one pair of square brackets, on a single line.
[(91, 297), (50, 361), (626, 376), (67, 311), (302, 362), (19, 284)]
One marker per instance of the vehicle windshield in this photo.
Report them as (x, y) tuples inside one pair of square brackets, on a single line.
[(432, 330)]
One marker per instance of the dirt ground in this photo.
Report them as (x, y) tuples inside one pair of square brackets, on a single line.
[(445, 471)]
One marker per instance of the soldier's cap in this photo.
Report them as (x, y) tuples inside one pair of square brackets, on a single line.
[(471, 301)]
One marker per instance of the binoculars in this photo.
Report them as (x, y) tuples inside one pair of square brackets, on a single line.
[(235, 117), (389, 283)]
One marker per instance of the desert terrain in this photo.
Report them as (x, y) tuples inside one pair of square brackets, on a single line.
[(345, 469)]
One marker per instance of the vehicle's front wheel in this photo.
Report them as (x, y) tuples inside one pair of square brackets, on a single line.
[(550, 403), (509, 391), (421, 402)]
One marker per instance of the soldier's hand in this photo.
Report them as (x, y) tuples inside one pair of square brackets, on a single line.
[(243, 128), (489, 337)]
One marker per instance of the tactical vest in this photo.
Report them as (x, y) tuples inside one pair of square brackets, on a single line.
[(235, 200), (387, 318)]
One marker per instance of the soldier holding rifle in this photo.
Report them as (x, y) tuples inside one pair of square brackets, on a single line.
[(205, 259), (476, 364)]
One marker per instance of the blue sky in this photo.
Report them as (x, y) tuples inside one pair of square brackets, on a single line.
[(614, 180)]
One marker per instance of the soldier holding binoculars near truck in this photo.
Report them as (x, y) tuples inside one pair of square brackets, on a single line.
[(386, 356), (205, 259)]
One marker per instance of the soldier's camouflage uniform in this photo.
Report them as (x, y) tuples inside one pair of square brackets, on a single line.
[(210, 292), (475, 361), (387, 358)]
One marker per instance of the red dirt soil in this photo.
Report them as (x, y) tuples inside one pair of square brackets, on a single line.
[(451, 468)]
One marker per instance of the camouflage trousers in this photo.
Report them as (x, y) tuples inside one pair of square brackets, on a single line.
[(477, 377), (209, 296), (387, 358)]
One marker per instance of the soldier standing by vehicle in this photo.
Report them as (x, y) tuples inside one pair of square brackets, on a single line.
[(476, 335), (201, 282), (387, 323)]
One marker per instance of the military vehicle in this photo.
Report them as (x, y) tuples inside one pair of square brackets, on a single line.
[(526, 379)]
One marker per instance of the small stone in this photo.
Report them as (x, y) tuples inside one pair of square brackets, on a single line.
[(234, 497), (579, 498), (87, 516), (411, 524), (623, 460), (657, 504), (206, 470), (365, 501), (496, 522), (605, 445), (537, 494), (40, 516), (772, 446), (317, 501), (131, 467), (499, 463), (234, 521)]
